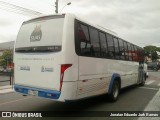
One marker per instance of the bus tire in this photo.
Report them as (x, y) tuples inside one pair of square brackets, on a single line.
[(113, 96)]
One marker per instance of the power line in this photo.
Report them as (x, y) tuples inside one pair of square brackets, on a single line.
[(18, 9), (18, 12), (8, 5)]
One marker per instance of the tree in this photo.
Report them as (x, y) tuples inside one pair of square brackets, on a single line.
[(154, 56), (6, 58), (151, 51), (150, 48)]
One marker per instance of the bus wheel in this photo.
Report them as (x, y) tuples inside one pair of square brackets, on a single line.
[(113, 96)]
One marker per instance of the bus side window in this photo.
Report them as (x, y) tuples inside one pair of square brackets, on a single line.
[(83, 33), (104, 51), (136, 56), (122, 49), (84, 40), (129, 52), (140, 55), (116, 48), (110, 46), (133, 53), (95, 43), (126, 50), (85, 49)]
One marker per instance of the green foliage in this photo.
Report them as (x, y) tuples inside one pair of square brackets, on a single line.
[(151, 51), (151, 48), (6, 58)]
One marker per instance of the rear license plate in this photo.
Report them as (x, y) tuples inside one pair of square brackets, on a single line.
[(33, 92)]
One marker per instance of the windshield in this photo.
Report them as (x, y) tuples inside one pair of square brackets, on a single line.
[(41, 35)]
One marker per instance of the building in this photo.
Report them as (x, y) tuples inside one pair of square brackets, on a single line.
[(7, 45)]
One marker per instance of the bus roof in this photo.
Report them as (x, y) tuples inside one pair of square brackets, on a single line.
[(85, 21)]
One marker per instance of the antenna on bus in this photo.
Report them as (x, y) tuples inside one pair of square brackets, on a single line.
[(112, 32)]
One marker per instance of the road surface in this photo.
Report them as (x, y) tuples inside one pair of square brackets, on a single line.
[(131, 99)]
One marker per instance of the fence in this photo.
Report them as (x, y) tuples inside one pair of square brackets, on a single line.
[(6, 77)]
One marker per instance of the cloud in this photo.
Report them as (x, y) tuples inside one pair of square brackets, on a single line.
[(9, 25), (134, 20)]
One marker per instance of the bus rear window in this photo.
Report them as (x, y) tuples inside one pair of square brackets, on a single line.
[(38, 49), (40, 34)]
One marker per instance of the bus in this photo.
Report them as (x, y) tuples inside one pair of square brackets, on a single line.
[(63, 57)]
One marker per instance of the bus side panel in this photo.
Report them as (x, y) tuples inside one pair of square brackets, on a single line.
[(130, 73), (95, 75)]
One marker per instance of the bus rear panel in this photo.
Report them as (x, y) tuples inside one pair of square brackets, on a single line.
[(43, 66)]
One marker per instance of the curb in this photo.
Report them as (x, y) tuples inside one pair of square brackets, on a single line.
[(6, 89)]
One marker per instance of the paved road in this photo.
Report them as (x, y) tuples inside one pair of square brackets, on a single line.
[(153, 79), (131, 99)]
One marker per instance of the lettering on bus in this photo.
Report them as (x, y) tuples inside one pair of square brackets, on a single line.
[(46, 69), (24, 68), (36, 34)]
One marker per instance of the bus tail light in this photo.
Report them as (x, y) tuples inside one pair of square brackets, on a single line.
[(12, 72), (63, 68)]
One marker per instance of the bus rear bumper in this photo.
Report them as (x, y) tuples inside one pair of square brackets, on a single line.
[(51, 94)]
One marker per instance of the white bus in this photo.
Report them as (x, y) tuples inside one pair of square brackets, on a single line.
[(62, 57)]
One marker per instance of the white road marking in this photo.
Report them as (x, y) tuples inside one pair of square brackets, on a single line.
[(152, 106), (15, 101), (150, 82), (149, 88)]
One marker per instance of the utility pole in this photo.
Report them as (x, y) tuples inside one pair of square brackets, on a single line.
[(56, 6)]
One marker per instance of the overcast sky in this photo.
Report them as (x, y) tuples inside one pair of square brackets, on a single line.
[(137, 21)]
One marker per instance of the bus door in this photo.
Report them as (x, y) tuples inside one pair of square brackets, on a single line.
[(141, 78)]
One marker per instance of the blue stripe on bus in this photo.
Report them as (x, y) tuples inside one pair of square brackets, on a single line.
[(111, 82), (53, 94)]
